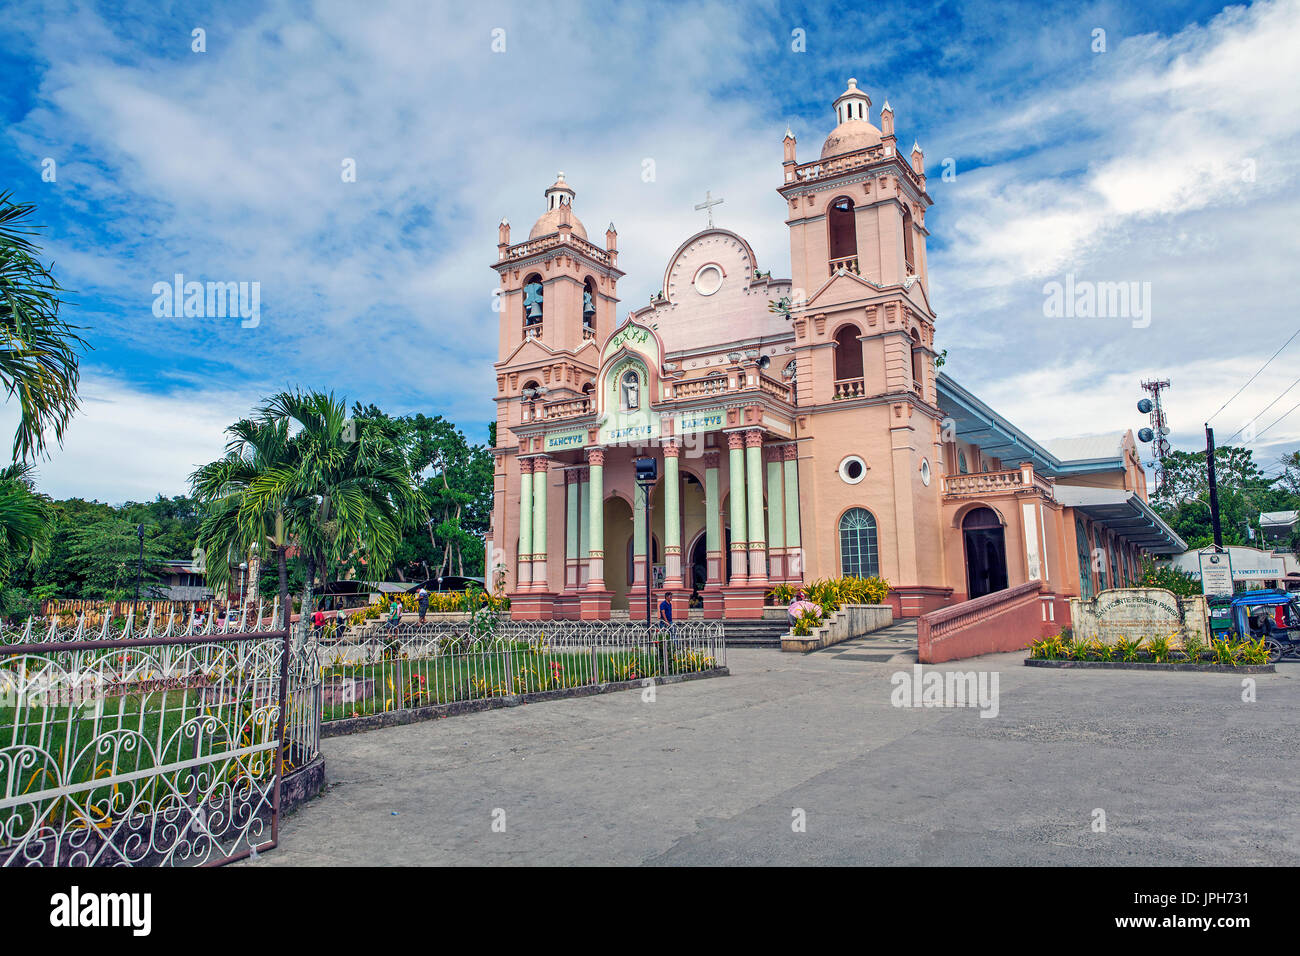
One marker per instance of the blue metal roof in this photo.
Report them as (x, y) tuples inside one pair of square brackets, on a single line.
[(980, 425)]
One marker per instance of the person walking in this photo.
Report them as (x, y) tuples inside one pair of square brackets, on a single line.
[(422, 596)]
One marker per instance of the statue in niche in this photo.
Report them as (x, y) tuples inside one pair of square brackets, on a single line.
[(533, 302), (631, 386)]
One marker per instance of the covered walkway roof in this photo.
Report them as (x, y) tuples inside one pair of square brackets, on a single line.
[(981, 425), (1126, 514)]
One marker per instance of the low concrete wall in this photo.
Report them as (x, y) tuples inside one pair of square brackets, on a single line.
[(1007, 620), (850, 621), (1136, 613)]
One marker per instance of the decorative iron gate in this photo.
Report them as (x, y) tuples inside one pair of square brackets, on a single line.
[(157, 751)]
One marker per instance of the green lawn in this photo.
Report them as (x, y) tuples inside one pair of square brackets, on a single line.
[(517, 669)]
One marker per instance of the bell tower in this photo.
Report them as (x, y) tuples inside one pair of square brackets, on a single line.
[(857, 254), (864, 331), (557, 301)]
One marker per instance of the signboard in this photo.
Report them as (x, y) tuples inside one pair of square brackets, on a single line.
[(1216, 572), (559, 441), (703, 420)]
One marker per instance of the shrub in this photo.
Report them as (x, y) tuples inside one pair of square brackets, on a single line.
[(1169, 578), (806, 623), (1127, 649), (1158, 648), (1193, 647)]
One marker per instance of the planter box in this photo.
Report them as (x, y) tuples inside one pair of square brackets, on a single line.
[(1153, 666), (850, 621)]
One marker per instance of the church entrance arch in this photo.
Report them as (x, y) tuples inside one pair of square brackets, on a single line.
[(698, 572), (986, 552)]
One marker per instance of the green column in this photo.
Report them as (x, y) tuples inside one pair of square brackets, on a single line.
[(525, 509), (736, 513), (775, 505), (638, 534), (794, 565), (712, 509), (541, 485), (584, 516), (523, 566), (571, 493), (596, 520), (754, 494), (672, 504)]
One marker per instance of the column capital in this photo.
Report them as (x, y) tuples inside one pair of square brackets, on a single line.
[(583, 472), (711, 459), (735, 439), (672, 449), (525, 466), (595, 456), (774, 453), (541, 463), (754, 438), (571, 476), (791, 452)]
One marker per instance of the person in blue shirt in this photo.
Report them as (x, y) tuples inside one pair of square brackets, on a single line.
[(666, 608)]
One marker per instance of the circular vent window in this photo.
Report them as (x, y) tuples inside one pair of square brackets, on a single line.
[(708, 280), (853, 469), (925, 472)]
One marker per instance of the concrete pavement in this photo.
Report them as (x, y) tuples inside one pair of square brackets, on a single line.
[(712, 771)]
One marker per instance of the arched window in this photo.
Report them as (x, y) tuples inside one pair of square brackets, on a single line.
[(848, 354), (1085, 560), (859, 557), (918, 360), (843, 234), (962, 467), (532, 301), (909, 255), (588, 305)]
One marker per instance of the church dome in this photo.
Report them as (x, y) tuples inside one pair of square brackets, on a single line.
[(854, 131), (848, 136), (559, 208)]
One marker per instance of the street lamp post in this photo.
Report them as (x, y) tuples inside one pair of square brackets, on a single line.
[(647, 473), (139, 572), (243, 579)]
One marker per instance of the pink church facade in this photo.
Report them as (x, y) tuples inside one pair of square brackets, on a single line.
[(800, 427)]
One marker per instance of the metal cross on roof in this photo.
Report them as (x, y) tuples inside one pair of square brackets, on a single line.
[(707, 205)]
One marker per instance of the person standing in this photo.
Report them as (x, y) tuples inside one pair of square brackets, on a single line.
[(423, 597), (395, 612)]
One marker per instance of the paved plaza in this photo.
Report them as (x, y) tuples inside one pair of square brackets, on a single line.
[(711, 772)]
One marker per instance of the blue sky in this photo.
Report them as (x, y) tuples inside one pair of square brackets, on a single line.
[(1123, 165)]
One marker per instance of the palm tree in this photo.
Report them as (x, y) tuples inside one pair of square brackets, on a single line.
[(38, 350), (351, 485), (25, 518), (232, 524), (301, 474)]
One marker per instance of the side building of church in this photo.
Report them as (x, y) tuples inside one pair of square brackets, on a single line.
[(801, 427)]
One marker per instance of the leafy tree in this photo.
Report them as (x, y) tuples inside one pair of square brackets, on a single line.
[(303, 476), (38, 350), (104, 558), (456, 479), (25, 520), (1243, 491)]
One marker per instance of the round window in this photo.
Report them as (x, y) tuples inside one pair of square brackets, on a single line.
[(925, 472), (708, 280), (853, 469)]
